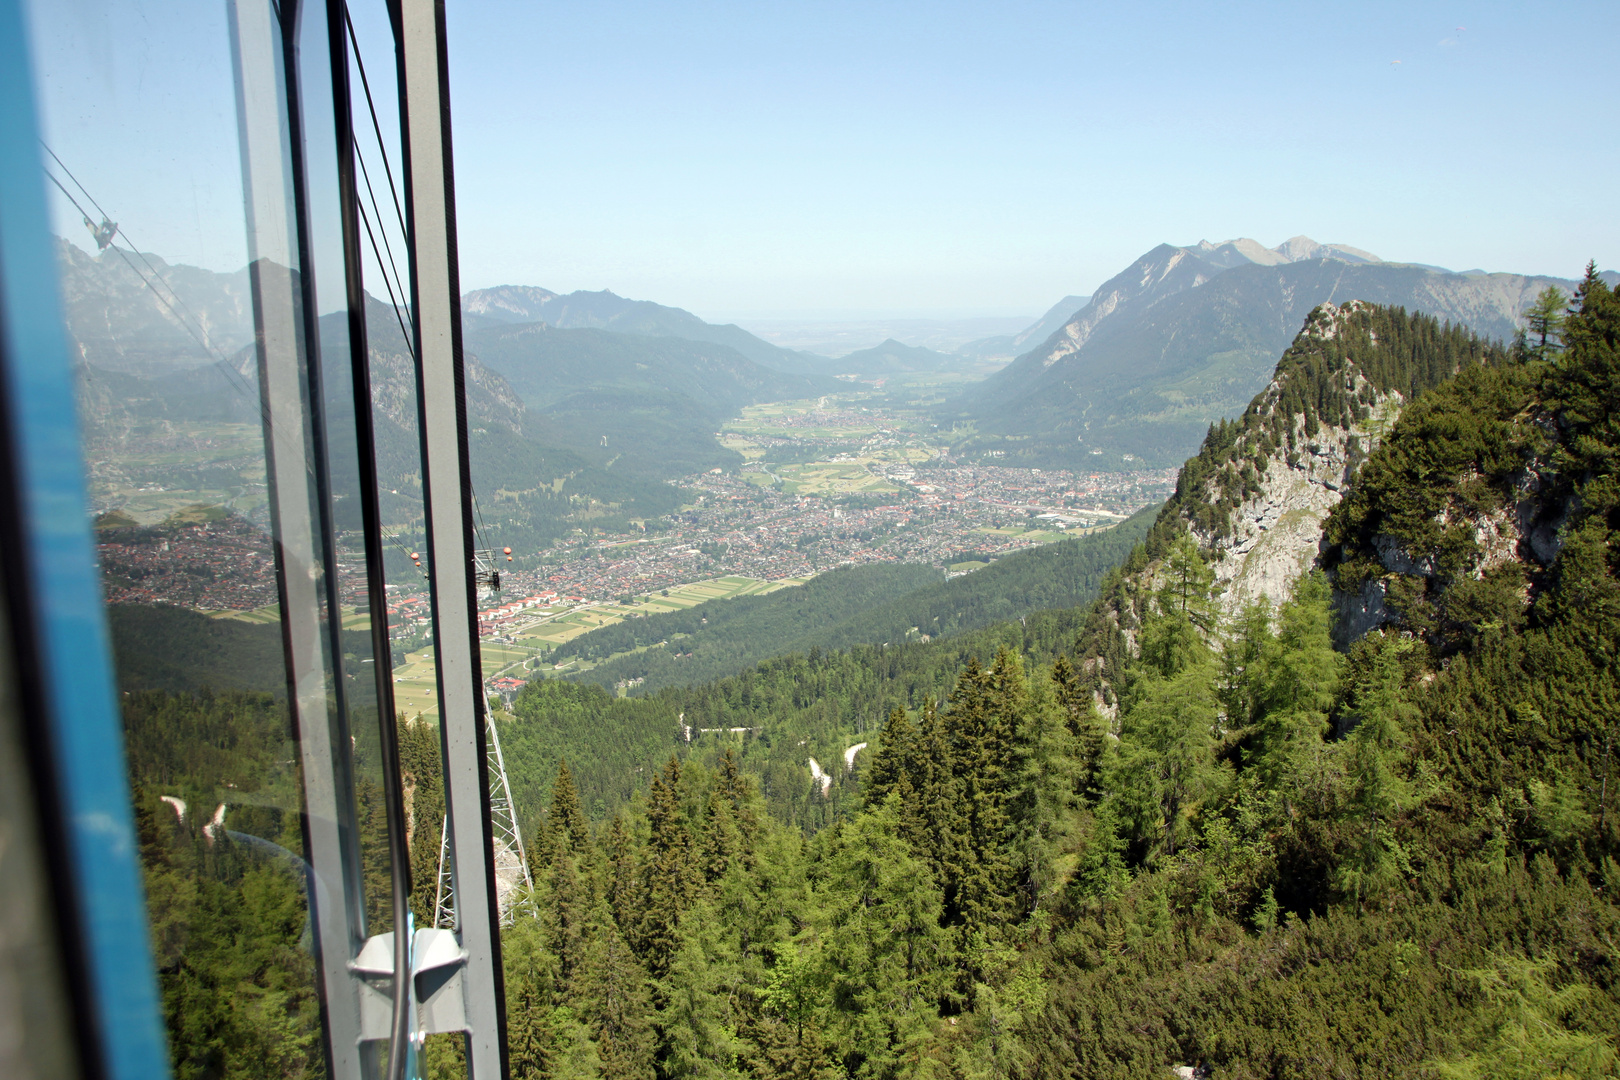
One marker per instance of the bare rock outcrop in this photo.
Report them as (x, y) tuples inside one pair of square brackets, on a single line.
[(1274, 534)]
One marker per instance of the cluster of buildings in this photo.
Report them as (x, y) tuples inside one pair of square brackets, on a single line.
[(222, 565), (503, 613), (943, 513)]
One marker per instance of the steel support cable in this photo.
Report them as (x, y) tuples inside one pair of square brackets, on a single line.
[(396, 306), (392, 265), (393, 538), (393, 190), (365, 85), (383, 153), (387, 284), (482, 529), (173, 302), (399, 852), (132, 245), (75, 179)]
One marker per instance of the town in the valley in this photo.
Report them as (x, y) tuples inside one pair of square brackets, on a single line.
[(859, 485)]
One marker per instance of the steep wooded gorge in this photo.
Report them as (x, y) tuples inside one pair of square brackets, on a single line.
[(1179, 825)]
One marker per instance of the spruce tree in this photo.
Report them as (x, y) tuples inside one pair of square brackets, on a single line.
[(934, 821), (531, 985), (1378, 752), (567, 819), (1301, 684), (893, 760), (1165, 766), (701, 1010), (667, 877), (563, 898), (1071, 692), (1544, 323), (887, 958), (739, 793), (986, 709), (1249, 643), (622, 884), (722, 842), (611, 991)]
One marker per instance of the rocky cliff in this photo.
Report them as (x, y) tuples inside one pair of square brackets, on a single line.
[(1273, 533), (1262, 490)]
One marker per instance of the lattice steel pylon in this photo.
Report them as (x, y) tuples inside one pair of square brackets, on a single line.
[(513, 884)]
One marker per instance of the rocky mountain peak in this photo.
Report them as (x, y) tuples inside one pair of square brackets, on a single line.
[(508, 303)]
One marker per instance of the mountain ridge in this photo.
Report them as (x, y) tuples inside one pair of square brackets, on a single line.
[(605, 310), (1176, 341)]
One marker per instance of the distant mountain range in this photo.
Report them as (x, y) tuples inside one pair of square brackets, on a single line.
[(151, 396), (117, 323), (1187, 335), (508, 304), (837, 337), (619, 390), (1006, 346), (1129, 376), (894, 358), (643, 404)]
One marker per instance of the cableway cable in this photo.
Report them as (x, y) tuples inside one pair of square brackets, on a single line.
[(371, 107), (176, 305), (135, 248), (481, 530), (173, 302), (402, 1033), (480, 527), (393, 302)]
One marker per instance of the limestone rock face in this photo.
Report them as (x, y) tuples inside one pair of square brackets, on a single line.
[(1275, 534)]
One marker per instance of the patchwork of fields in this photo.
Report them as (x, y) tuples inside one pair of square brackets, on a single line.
[(520, 653)]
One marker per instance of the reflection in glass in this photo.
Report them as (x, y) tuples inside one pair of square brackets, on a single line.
[(226, 462)]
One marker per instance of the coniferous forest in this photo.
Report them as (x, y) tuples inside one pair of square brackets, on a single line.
[(1100, 842)]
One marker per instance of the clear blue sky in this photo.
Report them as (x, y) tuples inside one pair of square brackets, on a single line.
[(987, 158), (832, 159)]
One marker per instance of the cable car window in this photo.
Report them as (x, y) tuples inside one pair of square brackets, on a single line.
[(197, 167)]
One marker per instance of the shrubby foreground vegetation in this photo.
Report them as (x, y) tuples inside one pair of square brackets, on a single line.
[(1099, 844)]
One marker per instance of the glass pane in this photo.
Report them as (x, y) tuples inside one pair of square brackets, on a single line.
[(36, 1034), (355, 693), (205, 283), (382, 232)]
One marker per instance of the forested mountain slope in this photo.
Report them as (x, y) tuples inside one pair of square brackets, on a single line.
[(1257, 493), (1275, 859), (603, 310), (723, 637), (1271, 858), (846, 608), (892, 357), (647, 406)]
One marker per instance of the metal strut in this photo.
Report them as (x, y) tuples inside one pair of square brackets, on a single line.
[(513, 883)]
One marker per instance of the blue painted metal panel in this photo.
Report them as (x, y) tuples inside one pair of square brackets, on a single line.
[(83, 719)]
